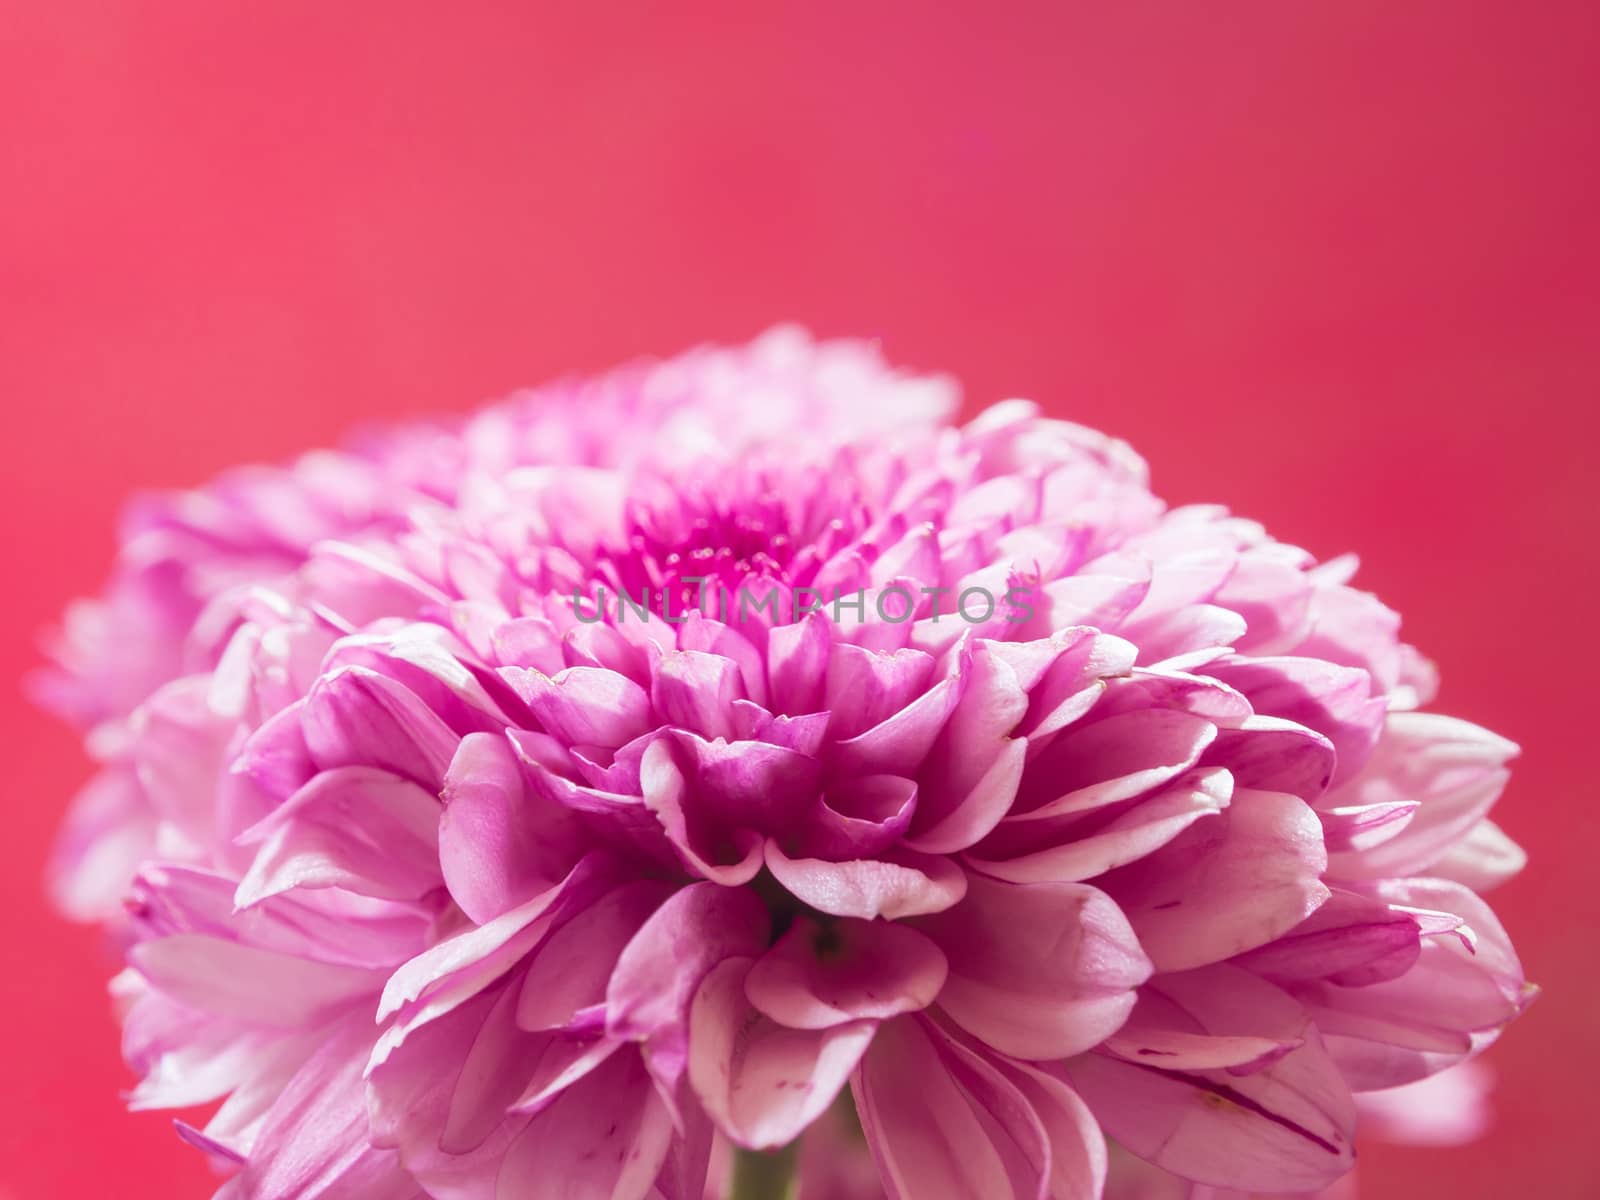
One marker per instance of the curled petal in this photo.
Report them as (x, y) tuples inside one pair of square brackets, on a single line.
[(893, 886), (1037, 970), (566, 1150), (357, 828), (658, 973), (696, 691), (1140, 830), (1451, 770), (1482, 860), (1455, 998), (866, 687), (584, 706), (1216, 1017), (762, 1082), (1285, 1128), (1335, 701), (858, 818), (711, 847), (944, 1124), (1226, 885), (972, 776), (821, 975), (498, 845), (314, 1142), (357, 717), (1352, 940)]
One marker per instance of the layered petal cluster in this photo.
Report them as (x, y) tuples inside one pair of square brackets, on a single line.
[(792, 765), (186, 557)]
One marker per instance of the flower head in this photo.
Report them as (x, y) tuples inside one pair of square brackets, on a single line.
[(614, 803)]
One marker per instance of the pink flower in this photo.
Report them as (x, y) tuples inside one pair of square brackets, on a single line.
[(617, 805)]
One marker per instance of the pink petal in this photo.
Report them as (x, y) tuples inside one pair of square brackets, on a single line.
[(821, 975), (178, 752), (1075, 679), (584, 706), (945, 1125), (760, 1082), (1077, 1147), (1226, 885), (454, 970), (1217, 1017), (426, 659), (1037, 970), (1286, 1128), (357, 828), (410, 1099), (1089, 766), (1351, 940), (1142, 829), (860, 817), (493, 1072), (313, 1144), (498, 846), (897, 885), (1362, 826), (695, 691), (701, 835), (357, 717), (1169, 687), (108, 832), (1482, 860), (1456, 997), (749, 785), (658, 973), (606, 1137), (262, 987), (898, 744), (797, 663), (1334, 701), (570, 970), (866, 687), (1101, 601), (276, 757), (972, 775), (1453, 770), (1271, 754)]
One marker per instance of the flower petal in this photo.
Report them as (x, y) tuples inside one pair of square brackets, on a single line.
[(945, 1125), (818, 976), (498, 845), (357, 717), (763, 1083), (1227, 884), (358, 828), (1037, 970), (893, 886), (658, 973), (607, 1137), (1286, 1128), (1140, 830)]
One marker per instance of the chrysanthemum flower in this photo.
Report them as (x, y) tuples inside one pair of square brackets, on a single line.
[(937, 788)]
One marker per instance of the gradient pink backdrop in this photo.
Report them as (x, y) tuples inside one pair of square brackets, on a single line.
[(1334, 264)]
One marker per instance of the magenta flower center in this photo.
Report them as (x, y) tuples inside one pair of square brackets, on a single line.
[(708, 544)]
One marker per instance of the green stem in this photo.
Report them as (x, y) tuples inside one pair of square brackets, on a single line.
[(765, 1175)]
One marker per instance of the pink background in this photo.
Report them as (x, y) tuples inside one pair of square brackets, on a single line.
[(1333, 264)]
